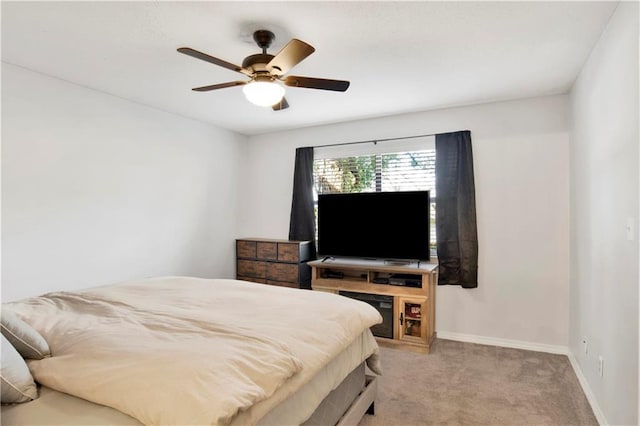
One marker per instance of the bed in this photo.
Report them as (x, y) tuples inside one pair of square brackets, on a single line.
[(181, 350)]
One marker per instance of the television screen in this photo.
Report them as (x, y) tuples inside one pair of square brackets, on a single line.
[(379, 225)]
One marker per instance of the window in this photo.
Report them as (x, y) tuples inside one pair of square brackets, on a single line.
[(404, 165)]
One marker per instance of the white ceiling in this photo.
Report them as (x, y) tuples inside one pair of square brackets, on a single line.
[(399, 56)]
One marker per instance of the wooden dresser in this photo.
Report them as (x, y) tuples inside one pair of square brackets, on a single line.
[(276, 262)]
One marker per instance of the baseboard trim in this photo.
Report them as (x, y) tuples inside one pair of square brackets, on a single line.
[(518, 344), (597, 411), (505, 343)]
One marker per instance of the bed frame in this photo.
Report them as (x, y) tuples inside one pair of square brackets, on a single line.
[(349, 402), (344, 406)]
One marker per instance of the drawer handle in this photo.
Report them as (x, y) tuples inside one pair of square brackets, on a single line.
[(401, 318)]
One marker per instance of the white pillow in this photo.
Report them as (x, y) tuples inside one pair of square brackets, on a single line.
[(24, 338), (17, 383)]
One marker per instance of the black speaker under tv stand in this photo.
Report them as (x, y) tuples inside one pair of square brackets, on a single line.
[(396, 262)]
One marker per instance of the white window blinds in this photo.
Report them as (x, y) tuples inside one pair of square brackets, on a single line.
[(397, 171), (399, 165)]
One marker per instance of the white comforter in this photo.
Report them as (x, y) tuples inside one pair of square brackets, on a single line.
[(181, 350)]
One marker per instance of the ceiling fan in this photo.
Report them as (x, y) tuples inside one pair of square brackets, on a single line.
[(266, 72)]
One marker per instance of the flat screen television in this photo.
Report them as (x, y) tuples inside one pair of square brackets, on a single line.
[(378, 225)]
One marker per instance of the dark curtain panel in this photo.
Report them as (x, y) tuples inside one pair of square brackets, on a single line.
[(302, 221), (456, 229)]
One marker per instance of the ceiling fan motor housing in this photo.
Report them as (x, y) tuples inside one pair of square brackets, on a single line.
[(257, 62)]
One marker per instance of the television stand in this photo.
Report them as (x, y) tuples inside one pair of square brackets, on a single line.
[(412, 288)]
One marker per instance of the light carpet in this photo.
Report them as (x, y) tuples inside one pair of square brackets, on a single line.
[(469, 384)]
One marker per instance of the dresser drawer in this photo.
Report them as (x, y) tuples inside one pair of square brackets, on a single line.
[(246, 249), (251, 268), (283, 272), (288, 252), (252, 279), (267, 251), (283, 284)]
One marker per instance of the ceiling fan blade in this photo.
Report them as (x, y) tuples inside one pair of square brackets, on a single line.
[(290, 55), (316, 83), (203, 56), (283, 104), (219, 86)]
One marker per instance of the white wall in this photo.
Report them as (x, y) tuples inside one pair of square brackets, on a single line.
[(521, 155), (604, 183), (96, 189)]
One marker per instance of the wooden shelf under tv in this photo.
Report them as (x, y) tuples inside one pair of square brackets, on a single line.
[(358, 276)]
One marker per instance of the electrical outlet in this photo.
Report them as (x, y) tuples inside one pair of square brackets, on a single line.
[(600, 366), (585, 345)]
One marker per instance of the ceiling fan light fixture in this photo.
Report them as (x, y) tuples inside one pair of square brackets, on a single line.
[(263, 93)]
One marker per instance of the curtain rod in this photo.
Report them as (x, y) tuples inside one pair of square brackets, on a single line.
[(374, 141)]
